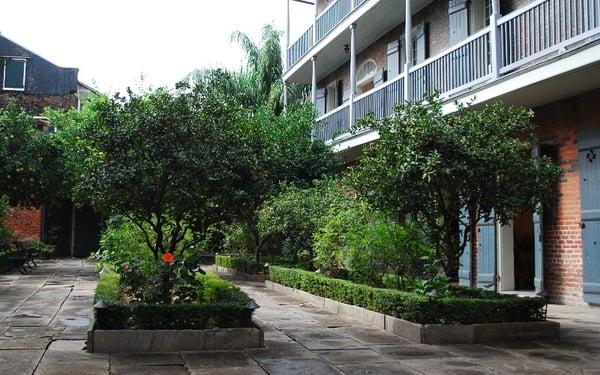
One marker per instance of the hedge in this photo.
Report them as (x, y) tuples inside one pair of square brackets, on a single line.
[(162, 316), (176, 316), (238, 263), (465, 306)]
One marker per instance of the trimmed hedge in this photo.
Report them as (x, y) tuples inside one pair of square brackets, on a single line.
[(466, 306), (177, 316), (241, 264)]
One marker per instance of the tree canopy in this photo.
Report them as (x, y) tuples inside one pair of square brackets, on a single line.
[(454, 169)]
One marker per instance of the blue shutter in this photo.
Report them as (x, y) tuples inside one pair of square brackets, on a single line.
[(589, 174), (486, 254), (464, 270)]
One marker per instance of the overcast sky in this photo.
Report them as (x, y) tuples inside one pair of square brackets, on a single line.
[(114, 42)]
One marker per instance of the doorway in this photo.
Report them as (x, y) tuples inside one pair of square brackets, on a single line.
[(524, 251)]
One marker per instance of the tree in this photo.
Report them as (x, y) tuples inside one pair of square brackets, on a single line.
[(31, 168), (174, 163), (454, 169)]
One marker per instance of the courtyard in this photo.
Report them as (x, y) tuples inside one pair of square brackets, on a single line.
[(44, 318)]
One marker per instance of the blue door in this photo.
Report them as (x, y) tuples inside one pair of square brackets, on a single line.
[(486, 254), (464, 270), (589, 174)]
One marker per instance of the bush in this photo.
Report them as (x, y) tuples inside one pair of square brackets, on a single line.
[(291, 218), (5, 232), (462, 306), (213, 289), (180, 316), (109, 289), (241, 264)]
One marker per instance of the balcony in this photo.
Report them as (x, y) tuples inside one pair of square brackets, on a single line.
[(538, 32)]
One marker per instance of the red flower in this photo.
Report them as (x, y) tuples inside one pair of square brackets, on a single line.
[(168, 258)]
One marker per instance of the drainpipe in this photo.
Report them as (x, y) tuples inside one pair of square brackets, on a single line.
[(407, 48), (352, 72)]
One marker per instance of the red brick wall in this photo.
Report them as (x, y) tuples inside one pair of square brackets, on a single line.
[(35, 104), (563, 261), (25, 222)]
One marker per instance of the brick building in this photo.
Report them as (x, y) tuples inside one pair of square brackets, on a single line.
[(36, 83), (542, 54)]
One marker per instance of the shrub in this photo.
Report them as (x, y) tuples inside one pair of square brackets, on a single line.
[(5, 232), (291, 218), (109, 289), (241, 264), (459, 307), (180, 316), (213, 289)]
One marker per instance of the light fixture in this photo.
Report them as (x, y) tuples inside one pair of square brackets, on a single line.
[(346, 48)]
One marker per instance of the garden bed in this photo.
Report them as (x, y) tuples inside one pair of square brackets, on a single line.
[(240, 268), (471, 316), (161, 327)]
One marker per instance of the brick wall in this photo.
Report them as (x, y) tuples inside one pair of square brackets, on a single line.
[(25, 222), (35, 104), (563, 260)]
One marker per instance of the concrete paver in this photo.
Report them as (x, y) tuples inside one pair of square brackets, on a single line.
[(44, 318)]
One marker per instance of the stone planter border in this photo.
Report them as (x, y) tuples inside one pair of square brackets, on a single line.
[(258, 277), (431, 333), (142, 341)]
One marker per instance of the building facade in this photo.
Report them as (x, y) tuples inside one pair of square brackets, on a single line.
[(365, 56), (35, 83)]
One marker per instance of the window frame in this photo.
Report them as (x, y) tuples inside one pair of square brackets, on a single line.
[(6, 59), (369, 76)]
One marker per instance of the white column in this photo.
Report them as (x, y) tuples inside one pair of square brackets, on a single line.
[(287, 36), (407, 48), (285, 96), (495, 40), (314, 80), (352, 72), (315, 23)]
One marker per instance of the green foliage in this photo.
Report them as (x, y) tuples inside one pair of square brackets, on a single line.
[(242, 264), (292, 217), (109, 289), (460, 308), (41, 247), (5, 232), (429, 166), (213, 289), (31, 168), (179, 316)]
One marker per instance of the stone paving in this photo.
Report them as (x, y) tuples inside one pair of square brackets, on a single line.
[(44, 318)]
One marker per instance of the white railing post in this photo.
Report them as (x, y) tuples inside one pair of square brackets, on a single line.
[(495, 42), (352, 73), (407, 49), (287, 37), (314, 81)]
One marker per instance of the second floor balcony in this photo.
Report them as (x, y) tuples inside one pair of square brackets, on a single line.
[(529, 37)]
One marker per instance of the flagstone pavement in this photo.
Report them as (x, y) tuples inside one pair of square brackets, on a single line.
[(44, 317)]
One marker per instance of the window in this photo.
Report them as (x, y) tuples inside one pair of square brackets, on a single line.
[(365, 76), (14, 74), (479, 15)]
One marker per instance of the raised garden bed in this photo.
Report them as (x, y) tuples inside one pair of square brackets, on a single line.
[(240, 268), (152, 327), (471, 316)]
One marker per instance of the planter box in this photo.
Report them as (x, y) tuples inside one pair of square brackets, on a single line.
[(140, 341), (258, 277), (432, 333)]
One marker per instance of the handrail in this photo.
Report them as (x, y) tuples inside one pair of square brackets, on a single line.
[(520, 11), (471, 38), (333, 111), (381, 87), (325, 10)]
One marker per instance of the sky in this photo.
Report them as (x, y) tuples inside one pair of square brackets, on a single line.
[(115, 43)]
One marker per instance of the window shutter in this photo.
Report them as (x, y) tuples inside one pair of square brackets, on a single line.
[(379, 78), (346, 95), (340, 92), (320, 104), (421, 38), (393, 59), (458, 14)]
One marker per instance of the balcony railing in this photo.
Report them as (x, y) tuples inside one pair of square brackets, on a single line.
[(300, 47), (536, 30), (324, 24)]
